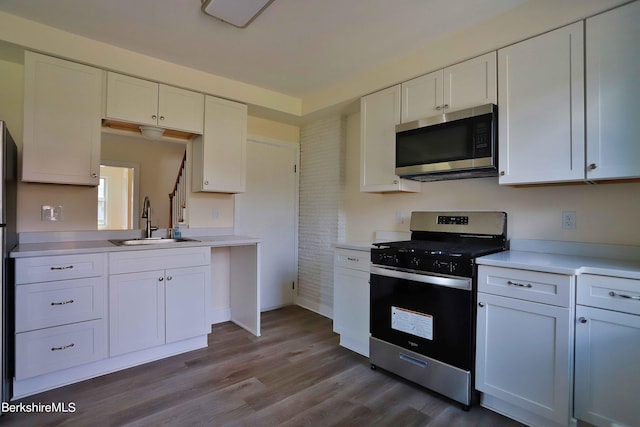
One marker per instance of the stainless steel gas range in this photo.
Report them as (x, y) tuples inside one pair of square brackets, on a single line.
[(423, 293)]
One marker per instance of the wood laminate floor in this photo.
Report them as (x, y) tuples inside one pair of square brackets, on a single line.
[(295, 374)]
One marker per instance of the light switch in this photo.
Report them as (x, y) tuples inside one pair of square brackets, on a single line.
[(51, 213)]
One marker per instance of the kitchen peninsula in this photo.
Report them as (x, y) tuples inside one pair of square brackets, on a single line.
[(103, 307)]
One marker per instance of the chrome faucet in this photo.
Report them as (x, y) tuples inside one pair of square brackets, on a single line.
[(146, 213)]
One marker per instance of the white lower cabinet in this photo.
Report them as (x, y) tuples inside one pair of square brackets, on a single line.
[(136, 311), (351, 299), (607, 373), (60, 313), (524, 346), (148, 306), (52, 349)]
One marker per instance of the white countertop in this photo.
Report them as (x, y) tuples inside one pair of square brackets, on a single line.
[(563, 264), (92, 246), (357, 246)]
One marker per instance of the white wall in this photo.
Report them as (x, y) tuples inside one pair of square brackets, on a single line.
[(321, 221), (606, 213)]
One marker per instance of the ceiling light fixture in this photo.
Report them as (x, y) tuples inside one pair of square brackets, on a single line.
[(152, 133), (239, 13)]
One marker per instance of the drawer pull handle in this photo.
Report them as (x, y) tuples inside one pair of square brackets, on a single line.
[(522, 285), (62, 348), (63, 302), (350, 258), (413, 360), (636, 297), (66, 267)]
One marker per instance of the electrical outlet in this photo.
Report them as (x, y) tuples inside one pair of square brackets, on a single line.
[(51, 213), (569, 220)]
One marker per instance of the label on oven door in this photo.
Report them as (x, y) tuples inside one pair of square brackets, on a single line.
[(412, 322)]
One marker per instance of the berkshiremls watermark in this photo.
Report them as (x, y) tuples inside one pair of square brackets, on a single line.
[(37, 407)]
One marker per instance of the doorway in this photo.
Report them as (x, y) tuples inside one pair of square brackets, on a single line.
[(118, 196)]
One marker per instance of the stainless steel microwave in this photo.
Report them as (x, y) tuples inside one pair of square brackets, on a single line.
[(461, 144)]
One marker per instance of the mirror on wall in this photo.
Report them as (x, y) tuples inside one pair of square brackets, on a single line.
[(134, 168)]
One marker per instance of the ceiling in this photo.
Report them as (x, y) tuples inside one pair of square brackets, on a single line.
[(294, 47)]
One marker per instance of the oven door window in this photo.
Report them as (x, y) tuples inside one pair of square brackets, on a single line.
[(435, 321)]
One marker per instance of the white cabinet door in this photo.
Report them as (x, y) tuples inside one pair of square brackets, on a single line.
[(131, 99), (541, 108), (351, 308), (613, 93), (220, 155), (471, 83), (186, 299), (422, 97), (523, 355), (180, 109), (62, 121), (607, 377), (379, 115), (148, 103), (136, 311), (464, 85)]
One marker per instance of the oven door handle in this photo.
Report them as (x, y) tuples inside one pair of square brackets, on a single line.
[(451, 282)]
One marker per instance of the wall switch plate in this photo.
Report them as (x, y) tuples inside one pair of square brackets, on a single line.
[(569, 220), (51, 213)]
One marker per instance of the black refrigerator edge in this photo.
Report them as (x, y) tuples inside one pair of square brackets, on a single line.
[(8, 240)]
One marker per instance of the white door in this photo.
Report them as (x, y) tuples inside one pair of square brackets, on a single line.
[(268, 210)]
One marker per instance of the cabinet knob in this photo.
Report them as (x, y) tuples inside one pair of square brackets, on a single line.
[(582, 320), (480, 304), (206, 183), (161, 117), (160, 279), (438, 108), (94, 175), (592, 166), (395, 181), (154, 117), (169, 277), (502, 173), (446, 105)]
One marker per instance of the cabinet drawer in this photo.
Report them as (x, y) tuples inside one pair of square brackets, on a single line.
[(61, 267), (47, 350), (535, 286), (612, 293), (158, 259), (42, 305), (353, 259)]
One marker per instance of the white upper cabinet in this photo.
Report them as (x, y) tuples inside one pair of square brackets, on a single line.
[(148, 103), (379, 115), (613, 94), (220, 155), (62, 121), (541, 108), (464, 85)]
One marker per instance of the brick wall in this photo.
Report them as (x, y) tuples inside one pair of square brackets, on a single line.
[(321, 221)]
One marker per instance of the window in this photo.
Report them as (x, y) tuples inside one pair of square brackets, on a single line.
[(102, 202)]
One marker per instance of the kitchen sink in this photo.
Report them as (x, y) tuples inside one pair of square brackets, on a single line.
[(151, 241)]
